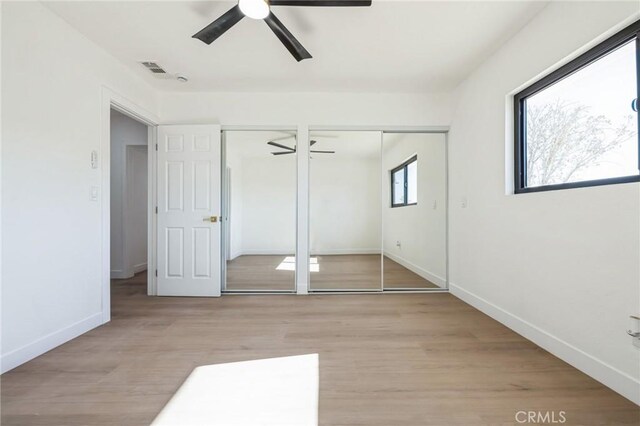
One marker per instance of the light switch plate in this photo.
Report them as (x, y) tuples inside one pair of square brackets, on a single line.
[(95, 192)]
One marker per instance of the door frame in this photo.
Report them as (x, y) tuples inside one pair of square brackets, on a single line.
[(110, 99)]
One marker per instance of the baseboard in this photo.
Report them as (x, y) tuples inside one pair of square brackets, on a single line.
[(139, 267), (427, 275), (268, 252), (264, 252), (117, 274), (331, 252), (611, 377), (26, 353)]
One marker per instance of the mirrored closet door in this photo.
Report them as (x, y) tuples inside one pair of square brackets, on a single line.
[(345, 211), (415, 211), (259, 190)]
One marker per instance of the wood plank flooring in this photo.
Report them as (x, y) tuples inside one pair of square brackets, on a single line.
[(388, 360), (359, 272), (261, 273)]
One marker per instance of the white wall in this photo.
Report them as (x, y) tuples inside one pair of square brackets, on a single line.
[(136, 216), (420, 229), (234, 165), (345, 202), (51, 116), (306, 108), (263, 194), (559, 267), (128, 254), (268, 191)]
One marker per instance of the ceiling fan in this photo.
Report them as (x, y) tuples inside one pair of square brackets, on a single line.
[(289, 150), (261, 9)]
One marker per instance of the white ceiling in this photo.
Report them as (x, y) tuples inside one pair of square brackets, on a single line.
[(393, 46)]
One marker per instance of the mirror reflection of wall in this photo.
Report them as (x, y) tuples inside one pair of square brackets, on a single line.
[(261, 229), (415, 212), (345, 211)]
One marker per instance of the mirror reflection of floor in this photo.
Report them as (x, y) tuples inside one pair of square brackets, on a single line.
[(397, 276), (328, 272), (261, 273)]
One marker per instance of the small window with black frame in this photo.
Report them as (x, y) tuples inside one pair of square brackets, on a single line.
[(404, 183)]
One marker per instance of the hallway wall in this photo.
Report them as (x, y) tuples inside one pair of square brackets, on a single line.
[(128, 250)]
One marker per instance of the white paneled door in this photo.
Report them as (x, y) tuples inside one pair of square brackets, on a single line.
[(189, 210)]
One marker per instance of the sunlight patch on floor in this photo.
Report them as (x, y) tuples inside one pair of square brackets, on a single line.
[(276, 391), (289, 264)]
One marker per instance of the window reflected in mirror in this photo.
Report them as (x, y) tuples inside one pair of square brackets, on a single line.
[(414, 212)]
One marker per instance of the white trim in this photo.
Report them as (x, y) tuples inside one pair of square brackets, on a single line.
[(233, 255), (258, 128), (265, 252), (447, 220), (152, 224), (329, 252), (119, 274), (338, 252), (26, 353), (606, 374), (427, 275), (302, 211), (110, 99), (139, 268), (383, 129)]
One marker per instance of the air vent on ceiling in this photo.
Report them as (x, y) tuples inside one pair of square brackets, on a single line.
[(153, 67)]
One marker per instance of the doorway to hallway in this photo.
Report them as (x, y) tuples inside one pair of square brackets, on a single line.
[(129, 200)]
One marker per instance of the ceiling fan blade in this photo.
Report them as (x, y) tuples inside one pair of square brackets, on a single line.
[(284, 138), (322, 152), (283, 153), (218, 27), (285, 36), (321, 3), (280, 146)]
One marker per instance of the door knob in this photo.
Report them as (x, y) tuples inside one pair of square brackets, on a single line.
[(211, 219)]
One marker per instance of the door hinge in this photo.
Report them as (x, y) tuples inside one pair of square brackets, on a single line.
[(156, 209), (156, 272), (156, 147)]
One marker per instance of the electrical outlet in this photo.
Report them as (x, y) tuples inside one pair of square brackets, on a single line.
[(463, 202), (398, 244)]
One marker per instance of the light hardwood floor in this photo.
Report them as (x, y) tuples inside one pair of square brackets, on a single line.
[(359, 272), (387, 360)]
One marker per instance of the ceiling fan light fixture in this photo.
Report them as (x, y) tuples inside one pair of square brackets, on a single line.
[(254, 9)]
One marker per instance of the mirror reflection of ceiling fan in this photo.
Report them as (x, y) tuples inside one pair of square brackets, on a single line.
[(289, 150)]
